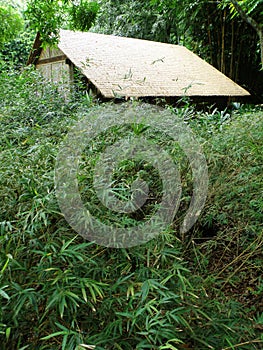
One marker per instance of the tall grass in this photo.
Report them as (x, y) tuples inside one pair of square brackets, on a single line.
[(57, 291)]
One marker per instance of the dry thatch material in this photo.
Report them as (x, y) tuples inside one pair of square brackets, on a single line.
[(120, 66)]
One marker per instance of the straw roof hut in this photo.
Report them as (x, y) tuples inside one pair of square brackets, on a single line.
[(127, 67)]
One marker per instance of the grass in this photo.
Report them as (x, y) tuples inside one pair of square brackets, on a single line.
[(58, 291)]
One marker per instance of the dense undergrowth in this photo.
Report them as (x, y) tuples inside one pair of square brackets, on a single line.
[(202, 290)]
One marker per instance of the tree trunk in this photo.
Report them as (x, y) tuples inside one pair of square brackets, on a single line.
[(231, 74), (258, 28), (260, 33), (222, 63)]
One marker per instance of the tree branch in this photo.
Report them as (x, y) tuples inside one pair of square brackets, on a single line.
[(256, 26), (246, 17)]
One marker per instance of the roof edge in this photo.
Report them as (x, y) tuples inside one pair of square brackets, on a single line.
[(36, 50)]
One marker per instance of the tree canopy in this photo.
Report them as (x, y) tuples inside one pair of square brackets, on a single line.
[(11, 24), (48, 16)]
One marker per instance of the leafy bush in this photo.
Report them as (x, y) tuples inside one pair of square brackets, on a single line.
[(15, 53), (11, 24), (58, 291)]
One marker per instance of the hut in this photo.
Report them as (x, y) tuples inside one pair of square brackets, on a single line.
[(127, 67)]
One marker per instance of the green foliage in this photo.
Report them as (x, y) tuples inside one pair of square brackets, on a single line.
[(15, 53), (242, 200), (11, 24), (84, 14), (19, 5), (145, 20), (58, 291), (15, 48), (47, 17), (251, 7)]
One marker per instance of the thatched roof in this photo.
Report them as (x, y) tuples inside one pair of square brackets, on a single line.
[(120, 66)]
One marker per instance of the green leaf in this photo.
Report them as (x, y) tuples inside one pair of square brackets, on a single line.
[(8, 332), (56, 334), (3, 293)]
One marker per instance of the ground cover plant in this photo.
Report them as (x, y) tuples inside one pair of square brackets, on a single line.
[(202, 290)]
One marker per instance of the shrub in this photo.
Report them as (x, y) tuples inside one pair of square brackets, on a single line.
[(58, 291)]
